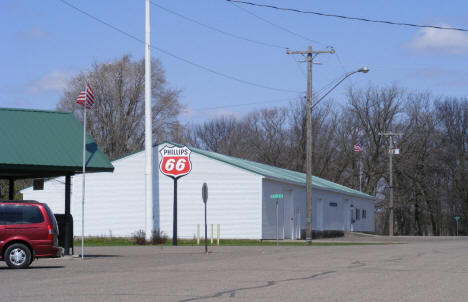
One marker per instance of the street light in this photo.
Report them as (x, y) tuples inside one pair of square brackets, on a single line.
[(309, 155), (347, 75)]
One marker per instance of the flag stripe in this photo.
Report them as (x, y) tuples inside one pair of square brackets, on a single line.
[(86, 97)]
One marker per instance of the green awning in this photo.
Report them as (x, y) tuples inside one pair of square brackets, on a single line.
[(37, 143)]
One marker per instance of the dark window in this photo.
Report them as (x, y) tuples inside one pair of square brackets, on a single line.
[(358, 212), (19, 214), (364, 214), (333, 204)]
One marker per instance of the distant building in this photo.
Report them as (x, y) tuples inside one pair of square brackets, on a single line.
[(239, 199)]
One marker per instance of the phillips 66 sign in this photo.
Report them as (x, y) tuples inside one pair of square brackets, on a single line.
[(175, 161)]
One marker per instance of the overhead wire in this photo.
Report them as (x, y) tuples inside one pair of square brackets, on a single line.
[(278, 26), (347, 17), (227, 76), (217, 29)]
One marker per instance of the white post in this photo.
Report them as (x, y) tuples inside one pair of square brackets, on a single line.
[(218, 231), (211, 234), (148, 132), (198, 234), (84, 173)]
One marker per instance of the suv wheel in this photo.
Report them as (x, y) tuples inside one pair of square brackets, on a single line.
[(17, 256)]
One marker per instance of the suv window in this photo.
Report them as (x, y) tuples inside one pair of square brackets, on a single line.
[(19, 214)]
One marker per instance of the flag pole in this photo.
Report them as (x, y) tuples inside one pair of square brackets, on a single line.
[(149, 218), (360, 172), (84, 172)]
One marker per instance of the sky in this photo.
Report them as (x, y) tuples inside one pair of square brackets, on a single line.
[(46, 43)]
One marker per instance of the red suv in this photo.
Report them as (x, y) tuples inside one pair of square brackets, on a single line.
[(28, 230)]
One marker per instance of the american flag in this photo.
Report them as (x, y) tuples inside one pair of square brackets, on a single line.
[(357, 147), (86, 97)]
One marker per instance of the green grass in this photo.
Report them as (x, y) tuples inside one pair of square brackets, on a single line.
[(104, 241)]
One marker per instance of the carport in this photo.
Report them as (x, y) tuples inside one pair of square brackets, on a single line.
[(43, 144)]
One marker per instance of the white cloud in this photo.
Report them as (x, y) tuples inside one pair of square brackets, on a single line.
[(431, 40), (53, 82)]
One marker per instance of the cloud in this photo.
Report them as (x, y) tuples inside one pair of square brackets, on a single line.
[(32, 34), (53, 82), (431, 40)]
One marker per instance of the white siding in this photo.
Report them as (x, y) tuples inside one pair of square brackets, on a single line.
[(291, 210), (53, 194), (324, 216), (114, 201), (234, 200)]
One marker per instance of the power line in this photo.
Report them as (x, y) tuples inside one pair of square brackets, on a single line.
[(217, 29), (348, 18), (245, 104), (176, 56), (276, 25)]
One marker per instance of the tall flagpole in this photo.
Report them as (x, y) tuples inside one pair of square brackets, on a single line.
[(148, 132), (85, 104)]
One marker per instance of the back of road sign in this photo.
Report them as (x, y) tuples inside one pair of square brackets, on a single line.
[(205, 192)]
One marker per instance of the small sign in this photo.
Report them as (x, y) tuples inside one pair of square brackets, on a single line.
[(276, 196), (175, 161), (457, 218), (38, 184), (205, 192)]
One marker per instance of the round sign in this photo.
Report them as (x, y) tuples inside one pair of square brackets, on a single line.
[(205, 192), (175, 161)]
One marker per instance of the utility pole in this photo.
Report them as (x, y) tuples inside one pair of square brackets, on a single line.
[(310, 55), (391, 151)]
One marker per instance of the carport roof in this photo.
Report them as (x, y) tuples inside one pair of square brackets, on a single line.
[(278, 173), (37, 143)]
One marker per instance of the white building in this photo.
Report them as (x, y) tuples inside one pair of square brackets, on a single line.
[(239, 199)]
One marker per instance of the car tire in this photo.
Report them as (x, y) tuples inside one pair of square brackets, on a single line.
[(17, 256)]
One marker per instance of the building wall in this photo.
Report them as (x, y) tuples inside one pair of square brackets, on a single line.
[(330, 211), (291, 210), (114, 204), (234, 200)]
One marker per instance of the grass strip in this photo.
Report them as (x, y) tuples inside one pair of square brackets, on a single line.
[(118, 241)]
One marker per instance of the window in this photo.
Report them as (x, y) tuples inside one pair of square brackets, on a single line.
[(333, 204), (358, 212), (19, 214), (364, 214)]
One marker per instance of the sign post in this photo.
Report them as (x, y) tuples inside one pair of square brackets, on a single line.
[(175, 163), (276, 197), (205, 199), (457, 218)]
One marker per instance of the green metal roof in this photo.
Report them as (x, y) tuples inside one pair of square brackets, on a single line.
[(277, 173), (45, 143)]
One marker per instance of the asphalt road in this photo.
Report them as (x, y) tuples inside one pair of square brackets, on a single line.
[(419, 270)]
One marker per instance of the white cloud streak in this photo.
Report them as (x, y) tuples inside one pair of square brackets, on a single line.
[(53, 82), (438, 41)]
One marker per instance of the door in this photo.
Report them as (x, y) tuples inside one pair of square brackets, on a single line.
[(319, 215), (288, 226)]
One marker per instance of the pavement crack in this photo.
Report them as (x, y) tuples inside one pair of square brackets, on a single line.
[(232, 292)]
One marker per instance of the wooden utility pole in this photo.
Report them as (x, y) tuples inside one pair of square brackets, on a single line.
[(391, 151), (310, 55)]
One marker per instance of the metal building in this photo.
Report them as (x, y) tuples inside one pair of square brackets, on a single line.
[(239, 199)]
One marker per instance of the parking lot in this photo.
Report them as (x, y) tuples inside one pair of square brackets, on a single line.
[(412, 270)]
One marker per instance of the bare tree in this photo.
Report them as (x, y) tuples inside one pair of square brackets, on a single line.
[(116, 121)]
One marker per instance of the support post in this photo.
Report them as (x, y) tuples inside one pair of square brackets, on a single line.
[(67, 239), (11, 188), (174, 225)]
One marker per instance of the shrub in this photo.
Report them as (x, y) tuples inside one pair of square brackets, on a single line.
[(158, 237), (139, 237)]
